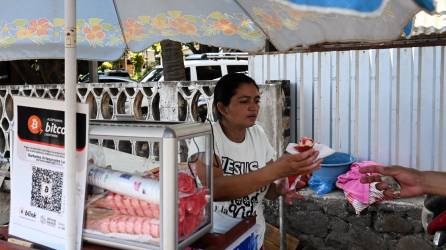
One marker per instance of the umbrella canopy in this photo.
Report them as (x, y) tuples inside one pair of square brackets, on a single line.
[(35, 28)]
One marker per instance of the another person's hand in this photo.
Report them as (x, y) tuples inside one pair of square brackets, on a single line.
[(409, 179), (297, 164)]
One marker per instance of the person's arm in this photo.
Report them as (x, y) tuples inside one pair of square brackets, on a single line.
[(433, 183), (232, 187), (199, 167), (413, 182)]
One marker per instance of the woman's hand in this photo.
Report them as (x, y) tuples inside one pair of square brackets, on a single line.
[(232, 187), (296, 164)]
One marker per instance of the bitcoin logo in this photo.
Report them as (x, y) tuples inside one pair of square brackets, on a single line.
[(34, 124)]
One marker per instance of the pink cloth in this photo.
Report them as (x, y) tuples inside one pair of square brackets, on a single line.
[(351, 185)]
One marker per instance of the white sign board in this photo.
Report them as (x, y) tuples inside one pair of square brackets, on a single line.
[(38, 191)]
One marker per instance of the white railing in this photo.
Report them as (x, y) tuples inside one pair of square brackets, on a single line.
[(155, 101)]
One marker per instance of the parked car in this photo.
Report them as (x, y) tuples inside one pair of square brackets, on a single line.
[(111, 75), (106, 79), (209, 66), (117, 72)]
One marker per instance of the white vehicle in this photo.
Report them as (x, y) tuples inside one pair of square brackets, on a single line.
[(209, 66)]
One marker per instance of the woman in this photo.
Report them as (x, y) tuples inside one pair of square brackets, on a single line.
[(245, 169)]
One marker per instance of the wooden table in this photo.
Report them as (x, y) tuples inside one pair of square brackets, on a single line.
[(5, 245), (214, 241)]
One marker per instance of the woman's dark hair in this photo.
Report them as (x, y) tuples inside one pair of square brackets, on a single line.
[(226, 87)]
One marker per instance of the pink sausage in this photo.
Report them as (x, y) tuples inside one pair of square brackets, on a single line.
[(155, 231), (104, 225), (105, 202), (146, 227), (155, 211), (114, 224), (137, 226), (128, 205), (137, 207), (130, 225), (147, 209), (122, 224), (119, 204)]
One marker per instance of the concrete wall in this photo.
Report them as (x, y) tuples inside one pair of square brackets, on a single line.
[(329, 222)]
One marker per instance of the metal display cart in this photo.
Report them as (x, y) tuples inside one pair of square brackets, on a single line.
[(167, 145)]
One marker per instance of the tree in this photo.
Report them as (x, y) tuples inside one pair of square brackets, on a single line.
[(105, 66), (137, 61), (173, 64)]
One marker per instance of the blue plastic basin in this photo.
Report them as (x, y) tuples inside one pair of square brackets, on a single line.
[(334, 165)]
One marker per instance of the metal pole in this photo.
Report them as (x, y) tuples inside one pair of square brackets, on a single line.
[(169, 195), (282, 230), (70, 125), (93, 70), (282, 224)]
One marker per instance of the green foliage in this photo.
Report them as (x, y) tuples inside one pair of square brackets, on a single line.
[(137, 60), (139, 75), (150, 66), (157, 48), (105, 66)]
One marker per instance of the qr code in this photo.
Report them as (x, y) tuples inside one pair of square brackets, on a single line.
[(46, 191)]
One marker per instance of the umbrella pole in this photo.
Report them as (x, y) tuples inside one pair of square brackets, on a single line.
[(282, 224), (70, 124)]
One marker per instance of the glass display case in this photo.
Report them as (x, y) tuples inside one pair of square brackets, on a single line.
[(149, 184)]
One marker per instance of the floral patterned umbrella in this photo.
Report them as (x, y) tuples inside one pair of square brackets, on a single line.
[(35, 28)]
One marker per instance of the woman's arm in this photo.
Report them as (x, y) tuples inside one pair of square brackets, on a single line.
[(232, 187)]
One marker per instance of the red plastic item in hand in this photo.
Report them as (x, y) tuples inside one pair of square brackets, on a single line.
[(304, 144)]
